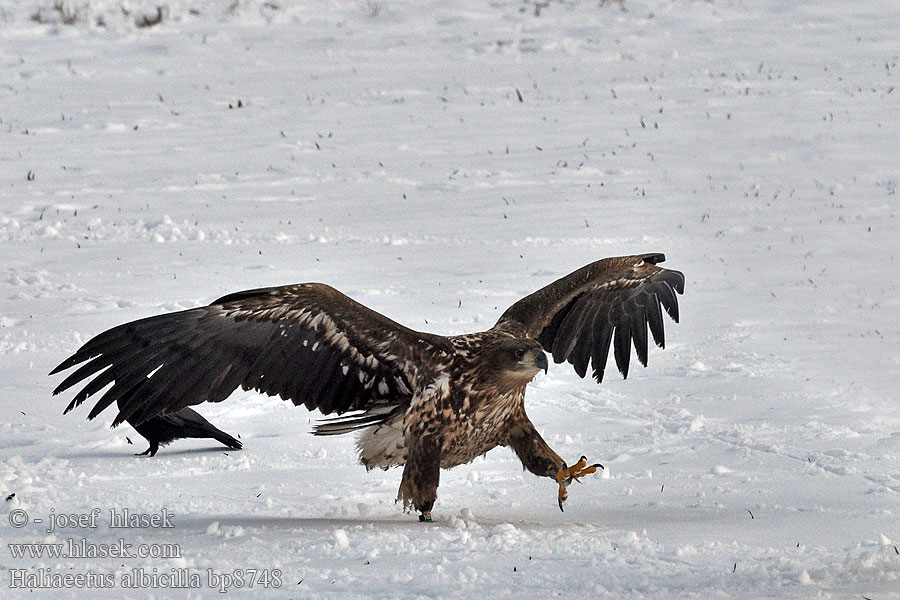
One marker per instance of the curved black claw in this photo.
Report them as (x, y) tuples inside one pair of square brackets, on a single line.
[(594, 466)]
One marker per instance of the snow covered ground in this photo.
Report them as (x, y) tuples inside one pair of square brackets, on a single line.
[(437, 161)]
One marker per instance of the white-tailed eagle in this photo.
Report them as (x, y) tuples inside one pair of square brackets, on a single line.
[(420, 400)]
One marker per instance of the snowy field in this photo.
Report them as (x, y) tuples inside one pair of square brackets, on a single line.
[(437, 161)]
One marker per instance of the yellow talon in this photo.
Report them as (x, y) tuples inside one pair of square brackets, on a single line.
[(566, 476), (583, 472), (562, 474)]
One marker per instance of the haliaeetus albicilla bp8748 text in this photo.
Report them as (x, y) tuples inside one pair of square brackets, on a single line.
[(419, 400)]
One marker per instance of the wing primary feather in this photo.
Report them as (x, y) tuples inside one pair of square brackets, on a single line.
[(94, 347), (182, 380), (668, 299), (603, 331), (126, 366), (622, 345), (118, 390), (161, 328), (654, 319), (97, 365), (569, 330), (581, 354), (144, 399), (115, 350), (102, 380), (675, 279), (639, 330), (548, 335)]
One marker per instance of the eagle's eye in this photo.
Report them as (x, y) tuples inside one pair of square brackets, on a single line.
[(520, 352)]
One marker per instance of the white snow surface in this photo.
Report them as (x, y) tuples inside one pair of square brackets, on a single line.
[(383, 147)]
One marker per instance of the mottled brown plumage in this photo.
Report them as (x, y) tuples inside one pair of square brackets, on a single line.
[(420, 400)]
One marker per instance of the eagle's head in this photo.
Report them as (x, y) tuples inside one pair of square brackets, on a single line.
[(513, 362)]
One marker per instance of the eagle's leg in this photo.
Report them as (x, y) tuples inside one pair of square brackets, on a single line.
[(540, 459), (533, 451), (421, 475)]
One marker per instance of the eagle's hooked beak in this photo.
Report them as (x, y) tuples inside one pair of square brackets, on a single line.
[(534, 359)]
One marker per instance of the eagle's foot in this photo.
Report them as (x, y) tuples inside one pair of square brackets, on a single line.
[(425, 517), (567, 475)]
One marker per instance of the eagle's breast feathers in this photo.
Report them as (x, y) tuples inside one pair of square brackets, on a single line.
[(466, 407)]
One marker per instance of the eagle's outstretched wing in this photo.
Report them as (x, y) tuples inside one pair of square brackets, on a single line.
[(611, 301), (307, 343)]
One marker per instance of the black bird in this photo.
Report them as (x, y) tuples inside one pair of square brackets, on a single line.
[(186, 423)]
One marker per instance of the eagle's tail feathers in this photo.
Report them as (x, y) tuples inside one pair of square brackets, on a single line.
[(349, 423)]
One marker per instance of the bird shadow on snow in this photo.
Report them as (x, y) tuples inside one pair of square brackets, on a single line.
[(408, 522), (400, 521), (163, 453)]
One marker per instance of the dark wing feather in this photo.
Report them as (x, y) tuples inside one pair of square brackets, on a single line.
[(307, 343), (603, 332), (654, 320), (609, 302), (621, 343), (638, 328)]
